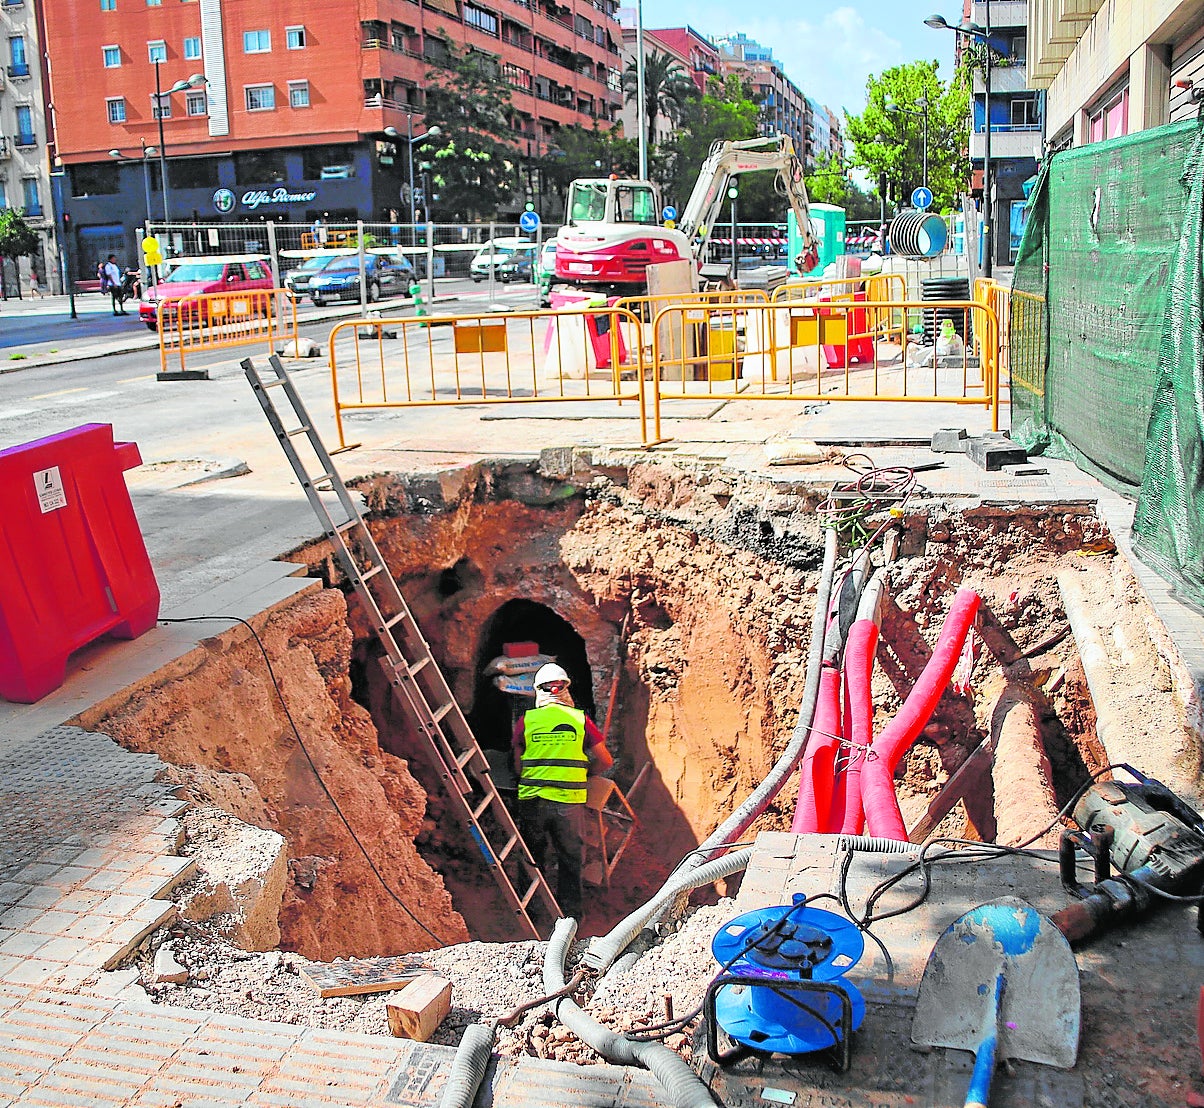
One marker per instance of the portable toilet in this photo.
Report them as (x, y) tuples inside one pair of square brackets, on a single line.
[(827, 225)]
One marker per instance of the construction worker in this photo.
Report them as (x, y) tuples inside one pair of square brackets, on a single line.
[(556, 745)]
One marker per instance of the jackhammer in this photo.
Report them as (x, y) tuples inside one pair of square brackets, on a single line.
[(1154, 839)]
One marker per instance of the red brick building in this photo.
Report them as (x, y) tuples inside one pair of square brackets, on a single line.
[(291, 119)]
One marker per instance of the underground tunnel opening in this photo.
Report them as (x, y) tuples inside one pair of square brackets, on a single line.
[(690, 595)]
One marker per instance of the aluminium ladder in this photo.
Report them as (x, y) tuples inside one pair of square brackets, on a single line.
[(418, 685)]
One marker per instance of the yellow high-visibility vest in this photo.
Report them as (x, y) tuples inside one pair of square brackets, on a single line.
[(554, 765)]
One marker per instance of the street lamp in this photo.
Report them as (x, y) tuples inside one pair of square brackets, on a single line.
[(148, 152), (922, 102), (195, 81), (974, 31), (429, 133)]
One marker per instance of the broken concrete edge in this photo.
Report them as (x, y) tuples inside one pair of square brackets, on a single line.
[(233, 467)]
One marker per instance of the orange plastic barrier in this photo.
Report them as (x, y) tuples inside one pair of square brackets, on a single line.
[(73, 565)]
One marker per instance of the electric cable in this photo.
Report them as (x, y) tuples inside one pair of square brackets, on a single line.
[(317, 775)]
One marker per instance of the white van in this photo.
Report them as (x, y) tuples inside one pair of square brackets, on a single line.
[(493, 253)]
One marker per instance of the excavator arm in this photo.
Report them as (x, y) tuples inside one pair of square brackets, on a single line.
[(729, 159)]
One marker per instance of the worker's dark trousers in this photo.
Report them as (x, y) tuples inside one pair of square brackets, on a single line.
[(543, 821)]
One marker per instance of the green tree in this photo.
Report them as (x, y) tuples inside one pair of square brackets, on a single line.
[(889, 144), (829, 182), (726, 110), (585, 152), (473, 162), (667, 90), (17, 240)]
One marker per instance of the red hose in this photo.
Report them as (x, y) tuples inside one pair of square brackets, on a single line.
[(858, 671), (882, 816), (813, 811)]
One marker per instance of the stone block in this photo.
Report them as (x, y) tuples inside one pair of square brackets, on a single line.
[(240, 880), (994, 451), (949, 440)]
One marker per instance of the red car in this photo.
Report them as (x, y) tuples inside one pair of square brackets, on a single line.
[(203, 276)]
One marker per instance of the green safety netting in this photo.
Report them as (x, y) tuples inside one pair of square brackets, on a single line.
[(1105, 342)]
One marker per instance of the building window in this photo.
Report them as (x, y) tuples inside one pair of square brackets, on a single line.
[(481, 20), (161, 107), (116, 108), (18, 66), (195, 103), (192, 47), (25, 135), (153, 3), (298, 94), (294, 38), (3, 196), (260, 98), (112, 56), (31, 202), (157, 51), (108, 5), (1110, 119), (256, 42)]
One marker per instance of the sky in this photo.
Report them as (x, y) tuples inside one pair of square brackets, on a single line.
[(826, 47)]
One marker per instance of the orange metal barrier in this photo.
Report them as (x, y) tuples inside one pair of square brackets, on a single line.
[(646, 307), (216, 320), (591, 354), (998, 298), (806, 350)]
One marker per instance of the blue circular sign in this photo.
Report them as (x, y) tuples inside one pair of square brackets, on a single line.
[(529, 221), (670, 212), (921, 198), (223, 201)]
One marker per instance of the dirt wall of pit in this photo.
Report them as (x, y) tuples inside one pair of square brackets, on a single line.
[(216, 716)]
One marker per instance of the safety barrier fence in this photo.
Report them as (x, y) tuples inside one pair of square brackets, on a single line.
[(1024, 340), (824, 348), (211, 321), (877, 324), (586, 356)]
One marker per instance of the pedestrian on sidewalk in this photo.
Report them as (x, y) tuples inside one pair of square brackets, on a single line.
[(34, 290), (110, 282), (555, 746)]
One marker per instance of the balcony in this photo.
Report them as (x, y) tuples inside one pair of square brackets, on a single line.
[(18, 70), (1004, 13), (1018, 141), (5, 152), (21, 141)]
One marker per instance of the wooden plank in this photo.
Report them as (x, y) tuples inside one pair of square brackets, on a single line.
[(356, 976), (416, 1012), (955, 788)]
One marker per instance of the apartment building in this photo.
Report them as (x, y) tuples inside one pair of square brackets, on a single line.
[(1112, 68), (784, 108), (663, 127), (24, 165), (291, 111), (701, 54)]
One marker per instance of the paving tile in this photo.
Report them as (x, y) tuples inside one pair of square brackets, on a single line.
[(113, 982), (11, 892), (119, 905), (52, 922), (40, 896), (34, 971), (80, 901), (16, 917), (62, 949), (107, 880), (89, 927), (21, 944)]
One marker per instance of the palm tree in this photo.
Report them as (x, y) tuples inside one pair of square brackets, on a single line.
[(667, 88)]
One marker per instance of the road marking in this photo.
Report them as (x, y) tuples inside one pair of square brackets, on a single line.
[(135, 380), (61, 392), (90, 397)]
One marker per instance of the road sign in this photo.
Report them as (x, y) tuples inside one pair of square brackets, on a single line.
[(669, 212), (921, 198), (529, 221)]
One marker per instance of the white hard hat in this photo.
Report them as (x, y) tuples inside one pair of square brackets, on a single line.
[(548, 673)]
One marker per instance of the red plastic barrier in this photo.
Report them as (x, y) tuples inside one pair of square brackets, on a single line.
[(882, 816), (860, 349), (858, 672), (73, 565), (813, 810)]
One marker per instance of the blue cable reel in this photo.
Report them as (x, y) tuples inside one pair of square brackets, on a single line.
[(782, 988)]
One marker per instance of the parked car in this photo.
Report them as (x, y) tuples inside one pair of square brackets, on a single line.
[(204, 276), (493, 253), (520, 266), (545, 272), (385, 274), (297, 280)]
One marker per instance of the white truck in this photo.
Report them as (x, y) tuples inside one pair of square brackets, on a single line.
[(613, 230)]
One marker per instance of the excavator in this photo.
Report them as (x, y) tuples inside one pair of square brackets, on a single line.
[(613, 230)]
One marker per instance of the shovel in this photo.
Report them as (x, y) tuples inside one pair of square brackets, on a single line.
[(1002, 983)]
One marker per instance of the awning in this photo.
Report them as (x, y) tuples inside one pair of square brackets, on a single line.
[(448, 6)]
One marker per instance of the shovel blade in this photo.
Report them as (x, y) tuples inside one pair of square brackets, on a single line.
[(1039, 1005)]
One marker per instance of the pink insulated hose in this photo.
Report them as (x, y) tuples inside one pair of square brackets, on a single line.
[(813, 810), (858, 672), (882, 816)]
